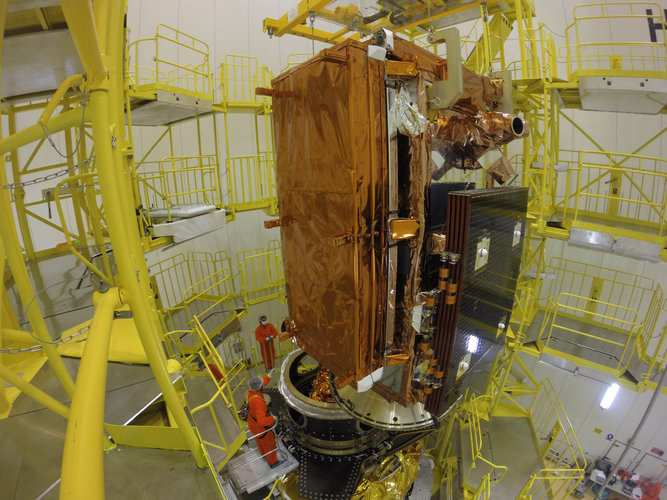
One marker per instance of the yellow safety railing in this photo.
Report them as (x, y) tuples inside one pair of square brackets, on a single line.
[(618, 54), (197, 287), (539, 486), (557, 445), (178, 62), (183, 181), (261, 274), (610, 190), (484, 490), (595, 282), (469, 421), (296, 59), (235, 376), (649, 343), (252, 182), (619, 349), (210, 302), (237, 347), (607, 310), (541, 63), (239, 77)]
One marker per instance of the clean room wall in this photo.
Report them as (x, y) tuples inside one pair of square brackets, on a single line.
[(596, 428)]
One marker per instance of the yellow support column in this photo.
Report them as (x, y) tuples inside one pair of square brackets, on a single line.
[(83, 458), (107, 113), (19, 192), (4, 404), (33, 392)]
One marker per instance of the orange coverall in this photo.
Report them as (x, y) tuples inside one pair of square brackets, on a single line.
[(262, 334), (259, 420)]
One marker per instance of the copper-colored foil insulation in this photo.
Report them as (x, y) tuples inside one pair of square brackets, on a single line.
[(437, 243), (330, 133), (463, 135), (352, 283), (321, 389)]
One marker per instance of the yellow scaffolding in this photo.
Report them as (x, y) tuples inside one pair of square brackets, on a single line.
[(180, 64), (224, 391), (621, 194), (252, 182), (178, 182), (564, 461), (608, 310), (239, 77), (587, 55), (261, 274)]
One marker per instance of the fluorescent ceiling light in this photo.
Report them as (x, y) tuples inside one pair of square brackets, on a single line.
[(473, 344), (609, 396)]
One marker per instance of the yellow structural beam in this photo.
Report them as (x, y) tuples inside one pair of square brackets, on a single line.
[(57, 96), (71, 118), (108, 123), (4, 402), (82, 474), (34, 393), (79, 16), (14, 253), (294, 17)]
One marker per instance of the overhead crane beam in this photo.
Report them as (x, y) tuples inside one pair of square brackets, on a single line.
[(294, 17), (292, 23)]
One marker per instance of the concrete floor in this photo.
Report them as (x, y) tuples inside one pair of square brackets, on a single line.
[(33, 440)]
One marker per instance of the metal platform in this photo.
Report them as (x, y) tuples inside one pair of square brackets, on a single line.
[(199, 391), (501, 446), (250, 471), (568, 344), (168, 107)]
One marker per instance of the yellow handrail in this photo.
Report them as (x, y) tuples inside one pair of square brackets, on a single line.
[(605, 57), (558, 446), (171, 47), (470, 419), (261, 274), (609, 189), (179, 180), (209, 354)]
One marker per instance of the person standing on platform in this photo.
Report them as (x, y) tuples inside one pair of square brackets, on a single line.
[(260, 421), (264, 334)]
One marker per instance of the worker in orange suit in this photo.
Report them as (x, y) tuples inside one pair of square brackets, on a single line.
[(264, 334), (651, 490), (260, 421)]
